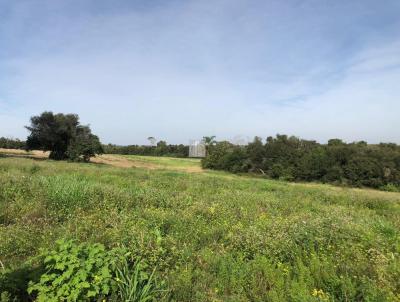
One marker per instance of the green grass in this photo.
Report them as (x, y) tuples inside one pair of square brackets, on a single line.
[(210, 236)]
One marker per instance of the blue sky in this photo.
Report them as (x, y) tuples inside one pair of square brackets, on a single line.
[(179, 70)]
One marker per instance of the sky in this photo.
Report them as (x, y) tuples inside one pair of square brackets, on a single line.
[(183, 69)]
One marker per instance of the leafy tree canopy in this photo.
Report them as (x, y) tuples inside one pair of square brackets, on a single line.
[(292, 158), (63, 136), (209, 140)]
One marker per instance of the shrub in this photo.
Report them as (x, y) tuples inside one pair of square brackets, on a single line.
[(391, 188), (226, 156), (14, 283), (218, 157), (291, 158), (76, 273), (6, 297), (87, 272)]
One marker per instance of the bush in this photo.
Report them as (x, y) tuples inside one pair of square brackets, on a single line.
[(76, 273), (88, 272), (14, 283), (217, 156), (391, 188), (291, 158)]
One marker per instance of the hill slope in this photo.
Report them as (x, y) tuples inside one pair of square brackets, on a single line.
[(211, 236)]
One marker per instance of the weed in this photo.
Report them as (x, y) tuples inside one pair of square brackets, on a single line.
[(213, 236), (135, 284)]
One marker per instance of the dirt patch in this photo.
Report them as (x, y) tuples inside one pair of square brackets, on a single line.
[(191, 169), (121, 162), (23, 153), (107, 159)]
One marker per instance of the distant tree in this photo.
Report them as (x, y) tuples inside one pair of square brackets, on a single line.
[(152, 140), (162, 148), (256, 154), (209, 140), (292, 158), (335, 142), (63, 136), (11, 143), (216, 158)]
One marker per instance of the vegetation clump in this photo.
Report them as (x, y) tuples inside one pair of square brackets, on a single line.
[(63, 136), (10, 143), (89, 272), (211, 236), (160, 149), (291, 158)]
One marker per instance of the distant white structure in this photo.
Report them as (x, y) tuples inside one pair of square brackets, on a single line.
[(197, 149)]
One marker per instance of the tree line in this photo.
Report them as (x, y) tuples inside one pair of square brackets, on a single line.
[(292, 158), (161, 149), (10, 143), (65, 138), (280, 157)]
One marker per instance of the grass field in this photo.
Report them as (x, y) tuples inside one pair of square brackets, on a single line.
[(123, 161), (191, 164), (211, 236)]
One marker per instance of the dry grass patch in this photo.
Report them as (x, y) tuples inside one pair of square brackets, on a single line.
[(119, 161)]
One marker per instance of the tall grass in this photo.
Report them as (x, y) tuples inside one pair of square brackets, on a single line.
[(212, 236), (134, 285)]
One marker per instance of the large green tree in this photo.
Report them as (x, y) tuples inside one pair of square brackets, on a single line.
[(63, 136)]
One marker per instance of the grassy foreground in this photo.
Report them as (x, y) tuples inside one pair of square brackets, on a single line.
[(210, 236)]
